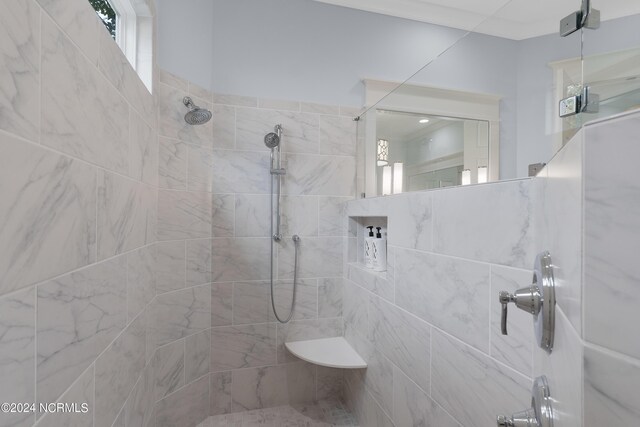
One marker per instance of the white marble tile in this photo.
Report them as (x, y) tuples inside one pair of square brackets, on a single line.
[(355, 308), (171, 112), (372, 281), (181, 313), (224, 127), (117, 370), (173, 80), (299, 215), (240, 259), (78, 316), (299, 130), (221, 304), (412, 406), (185, 408), (197, 356), (20, 69), (450, 293), (317, 257), (411, 221), (330, 295), (81, 113), (171, 266), (252, 215), (465, 220), (319, 175), (143, 151), (198, 262), (126, 214), (610, 389), (82, 391), (223, 215), (141, 279), (241, 101), (495, 389), (350, 111), (139, 406), (337, 135), (172, 168), (563, 369), (306, 306), (200, 169), (515, 349), (169, 364), (243, 346), (80, 22), (116, 68), (301, 382), (402, 338), (17, 353), (221, 400), (310, 107), (48, 211), (370, 207), (329, 384), (200, 92), (305, 330), (611, 245), (240, 172), (251, 303), (278, 104), (332, 220), (259, 387), (558, 228), (184, 215)]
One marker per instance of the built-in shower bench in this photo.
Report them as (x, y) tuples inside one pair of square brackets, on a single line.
[(333, 352)]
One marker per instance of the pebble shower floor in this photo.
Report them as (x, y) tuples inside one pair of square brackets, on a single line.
[(320, 414)]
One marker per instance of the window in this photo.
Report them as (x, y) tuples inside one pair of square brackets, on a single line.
[(130, 24)]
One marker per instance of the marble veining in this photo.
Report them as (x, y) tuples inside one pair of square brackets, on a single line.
[(330, 295), (181, 313), (259, 387), (221, 400), (198, 262), (82, 391), (317, 257), (81, 113), (319, 175), (337, 136), (139, 406), (186, 407), (183, 215), (171, 266), (78, 316), (450, 293), (20, 69), (172, 164), (240, 259), (141, 279), (252, 215), (168, 366), (48, 214), (197, 355), (17, 353), (222, 304), (240, 171), (243, 346), (411, 221), (305, 330), (306, 299), (143, 151)]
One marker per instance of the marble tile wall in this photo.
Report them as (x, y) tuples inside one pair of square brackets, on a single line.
[(213, 231), (78, 254)]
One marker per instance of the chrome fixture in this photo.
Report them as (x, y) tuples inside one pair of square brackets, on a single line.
[(539, 299), (276, 172), (586, 17), (539, 415), (195, 115)]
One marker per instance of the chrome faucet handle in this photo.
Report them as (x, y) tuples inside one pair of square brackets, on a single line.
[(505, 298), (538, 299), (539, 415)]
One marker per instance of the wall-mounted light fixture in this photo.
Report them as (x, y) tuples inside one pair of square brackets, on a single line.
[(386, 180), (466, 177), (398, 173), (383, 152), (482, 174)]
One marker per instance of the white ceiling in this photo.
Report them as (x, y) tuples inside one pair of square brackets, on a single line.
[(513, 19)]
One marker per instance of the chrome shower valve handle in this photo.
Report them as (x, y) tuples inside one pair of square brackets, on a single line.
[(538, 299)]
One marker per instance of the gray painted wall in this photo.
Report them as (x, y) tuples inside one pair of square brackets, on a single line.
[(305, 50)]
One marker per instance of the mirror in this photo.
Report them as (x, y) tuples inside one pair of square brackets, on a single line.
[(420, 152)]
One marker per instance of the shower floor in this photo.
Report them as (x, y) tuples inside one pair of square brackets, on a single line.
[(320, 414)]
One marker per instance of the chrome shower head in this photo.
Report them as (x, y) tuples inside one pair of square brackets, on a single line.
[(196, 115), (272, 139)]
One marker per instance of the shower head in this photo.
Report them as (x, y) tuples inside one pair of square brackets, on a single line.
[(196, 115), (272, 139)]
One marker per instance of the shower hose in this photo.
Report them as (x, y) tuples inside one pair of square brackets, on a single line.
[(296, 243)]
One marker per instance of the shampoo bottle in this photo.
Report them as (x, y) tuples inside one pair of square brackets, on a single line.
[(379, 251), (368, 248)]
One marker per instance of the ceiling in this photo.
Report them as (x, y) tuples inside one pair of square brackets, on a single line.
[(512, 19)]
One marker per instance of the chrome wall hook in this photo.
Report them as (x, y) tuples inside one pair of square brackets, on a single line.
[(539, 300)]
